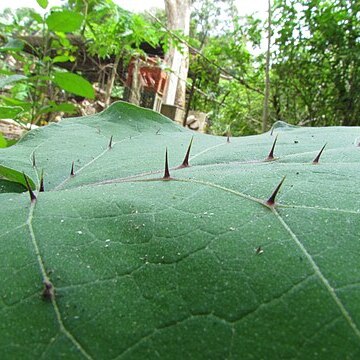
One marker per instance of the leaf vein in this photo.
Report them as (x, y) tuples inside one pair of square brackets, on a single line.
[(45, 277), (320, 275)]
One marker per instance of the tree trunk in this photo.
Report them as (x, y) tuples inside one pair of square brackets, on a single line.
[(111, 81), (135, 89), (267, 73), (178, 17)]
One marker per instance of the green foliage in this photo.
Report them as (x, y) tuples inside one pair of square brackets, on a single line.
[(239, 110), (113, 30), (43, 3), (36, 92), (3, 142), (4, 183), (223, 37), (10, 112), (106, 29), (6, 80), (115, 262), (12, 45), (64, 21), (68, 108), (74, 83), (316, 67)]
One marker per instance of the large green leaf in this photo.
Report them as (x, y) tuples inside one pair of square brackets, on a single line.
[(74, 83), (195, 267), (64, 21)]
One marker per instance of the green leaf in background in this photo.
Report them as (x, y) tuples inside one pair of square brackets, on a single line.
[(64, 21), (74, 83), (115, 262), (11, 142), (37, 17), (12, 102), (6, 80), (3, 142), (10, 112), (65, 107), (61, 58), (43, 3), (12, 45)]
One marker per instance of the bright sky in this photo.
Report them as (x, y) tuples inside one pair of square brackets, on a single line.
[(246, 7)]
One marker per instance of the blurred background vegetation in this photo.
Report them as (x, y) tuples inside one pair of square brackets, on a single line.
[(74, 60)]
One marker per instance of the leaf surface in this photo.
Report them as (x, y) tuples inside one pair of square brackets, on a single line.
[(192, 267)]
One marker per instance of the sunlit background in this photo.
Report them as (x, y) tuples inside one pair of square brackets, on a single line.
[(245, 7)]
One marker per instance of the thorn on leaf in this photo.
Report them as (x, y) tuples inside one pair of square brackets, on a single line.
[(48, 293), (271, 200), (42, 182), (259, 250), (316, 160), (33, 159), (271, 153), (187, 155), (228, 137), (166, 172), (32, 195), (72, 172), (110, 142)]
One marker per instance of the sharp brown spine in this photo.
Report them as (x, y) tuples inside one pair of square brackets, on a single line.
[(271, 153), (32, 195), (110, 142), (72, 172), (271, 200), (187, 155), (316, 160), (166, 172), (48, 293), (42, 182), (33, 159)]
